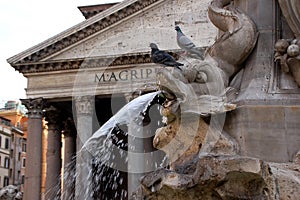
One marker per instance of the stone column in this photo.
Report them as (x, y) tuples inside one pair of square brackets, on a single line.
[(69, 159), (32, 187), (135, 145), (53, 179), (84, 113), (44, 157)]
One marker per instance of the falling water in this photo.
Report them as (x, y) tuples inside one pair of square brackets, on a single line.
[(109, 151), (131, 112)]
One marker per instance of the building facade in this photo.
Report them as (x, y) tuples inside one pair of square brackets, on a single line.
[(80, 78), (14, 112), (91, 70), (18, 158), (5, 161)]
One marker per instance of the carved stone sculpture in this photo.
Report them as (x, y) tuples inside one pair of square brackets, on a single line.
[(10, 192), (203, 159), (237, 37), (287, 51), (223, 177), (201, 88)]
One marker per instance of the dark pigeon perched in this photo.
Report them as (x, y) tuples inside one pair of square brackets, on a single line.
[(162, 57), (186, 44)]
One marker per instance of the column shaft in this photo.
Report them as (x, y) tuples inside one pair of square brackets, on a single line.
[(33, 171), (69, 160), (84, 183), (53, 179)]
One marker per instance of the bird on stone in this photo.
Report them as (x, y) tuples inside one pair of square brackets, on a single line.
[(186, 44), (162, 57)]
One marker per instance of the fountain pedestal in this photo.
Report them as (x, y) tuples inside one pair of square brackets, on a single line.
[(234, 161), (223, 177), (265, 124)]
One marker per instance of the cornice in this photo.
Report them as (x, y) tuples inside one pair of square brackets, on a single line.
[(79, 32), (92, 10), (95, 62)]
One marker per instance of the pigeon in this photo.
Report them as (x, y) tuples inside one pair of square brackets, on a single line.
[(162, 57), (186, 44)]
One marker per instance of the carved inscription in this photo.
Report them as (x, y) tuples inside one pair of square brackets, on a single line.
[(126, 75)]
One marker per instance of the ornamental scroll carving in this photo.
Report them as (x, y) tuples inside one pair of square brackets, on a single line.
[(35, 107)]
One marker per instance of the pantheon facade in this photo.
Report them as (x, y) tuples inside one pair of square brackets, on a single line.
[(80, 77)]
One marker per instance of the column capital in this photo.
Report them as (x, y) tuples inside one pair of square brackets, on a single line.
[(34, 106), (53, 116), (84, 104)]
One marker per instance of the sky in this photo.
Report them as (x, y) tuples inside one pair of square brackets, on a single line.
[(25, 23)]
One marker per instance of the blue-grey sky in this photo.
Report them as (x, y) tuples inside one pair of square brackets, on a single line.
[(24, 24)]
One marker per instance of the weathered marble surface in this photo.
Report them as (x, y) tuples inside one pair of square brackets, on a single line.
[(201, 88), (205, 161), (10, 192), (223, 178)]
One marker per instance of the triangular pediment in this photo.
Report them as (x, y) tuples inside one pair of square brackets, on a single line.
[(124, 29)]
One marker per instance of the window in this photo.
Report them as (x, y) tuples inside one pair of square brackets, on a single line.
[(6, 143), (0, 141), (6, 162), (19, 156), (24, 162), (24, 147), (5, 181), (23, 179)]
